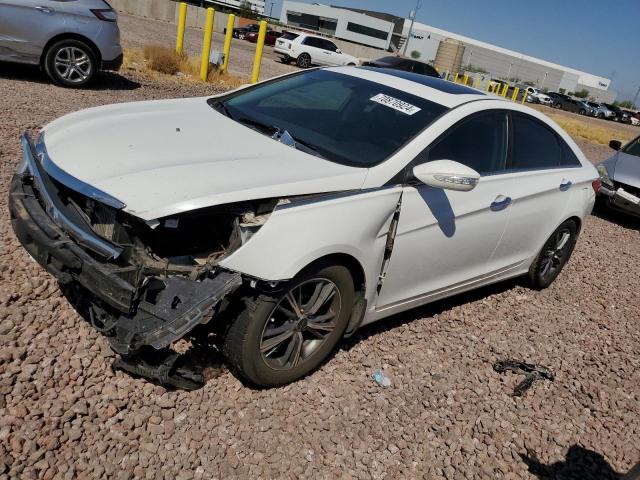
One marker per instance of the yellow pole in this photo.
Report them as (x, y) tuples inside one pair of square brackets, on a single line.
[(455, 79), (466, 78), (488, 85), (515, 94), (505, 90), (227, 42), (206, 45), (524, 96), (182, 20), (259, 47)]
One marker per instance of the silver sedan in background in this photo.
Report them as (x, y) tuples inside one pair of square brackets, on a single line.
[(620, 176), (70, 40)]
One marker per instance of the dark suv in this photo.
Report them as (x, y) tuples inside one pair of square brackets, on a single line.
[(402, 63), (619, 114), (565, 102)]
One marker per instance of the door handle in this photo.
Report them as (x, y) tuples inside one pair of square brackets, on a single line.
[(565, 185), (500, 203), (45, 9)]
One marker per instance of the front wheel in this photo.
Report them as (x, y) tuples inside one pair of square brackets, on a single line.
[(70, 63), (554, 255), (278, 339), (304, 60)]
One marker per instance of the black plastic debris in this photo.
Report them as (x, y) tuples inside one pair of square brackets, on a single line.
[(162, 366), (531, 371)]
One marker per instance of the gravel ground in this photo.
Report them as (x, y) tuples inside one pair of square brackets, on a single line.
[(64, 414), (138, 32)]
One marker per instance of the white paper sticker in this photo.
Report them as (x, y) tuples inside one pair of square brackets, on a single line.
[(395, 103)]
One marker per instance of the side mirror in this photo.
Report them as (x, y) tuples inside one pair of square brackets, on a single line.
[(615, 144), (338, 50), (447, 174)]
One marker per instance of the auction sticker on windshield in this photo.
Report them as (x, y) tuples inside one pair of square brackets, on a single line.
[(395, 103)]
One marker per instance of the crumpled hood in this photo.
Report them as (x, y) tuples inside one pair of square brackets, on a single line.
[(624, 168), (165, 157)]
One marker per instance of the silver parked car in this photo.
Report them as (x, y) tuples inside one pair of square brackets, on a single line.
[(71, 40), (620, 176)]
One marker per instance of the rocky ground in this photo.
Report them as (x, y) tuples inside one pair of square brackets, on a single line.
[(447, 414)]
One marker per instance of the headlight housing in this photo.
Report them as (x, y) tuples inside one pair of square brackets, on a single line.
[(604, 175)]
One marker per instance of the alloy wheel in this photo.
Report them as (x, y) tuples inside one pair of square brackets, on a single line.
[(555, 253), (300, 323), (73, 64)]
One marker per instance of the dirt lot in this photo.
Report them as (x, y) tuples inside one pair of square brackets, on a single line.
[(137, 32), (64, 414)]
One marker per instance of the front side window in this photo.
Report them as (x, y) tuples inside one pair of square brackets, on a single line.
[(535, 146), (479, 142), (343, 118)]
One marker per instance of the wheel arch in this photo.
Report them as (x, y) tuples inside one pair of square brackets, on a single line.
[(72, 36), (350, 262)]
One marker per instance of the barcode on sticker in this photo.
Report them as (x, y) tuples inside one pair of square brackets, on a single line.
[(395, 103)]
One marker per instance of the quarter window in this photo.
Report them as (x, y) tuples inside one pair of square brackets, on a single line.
[(479, 142)]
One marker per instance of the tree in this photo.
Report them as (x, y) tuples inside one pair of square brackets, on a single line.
[(415, 54), (584, 93), (246, 10), (627, 104)]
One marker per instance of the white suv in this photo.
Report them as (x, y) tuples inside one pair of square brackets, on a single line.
[(308, 50)]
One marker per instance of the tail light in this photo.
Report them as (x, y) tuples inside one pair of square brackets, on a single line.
[(596, 184), (105, 14)]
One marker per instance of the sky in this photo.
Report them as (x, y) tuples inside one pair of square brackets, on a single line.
[(596, 36)]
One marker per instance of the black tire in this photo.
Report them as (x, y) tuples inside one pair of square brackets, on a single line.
[(70, 63), (286, 60), (304, 60), (258, 356), (583, 112), (601, 115), (553, 257)]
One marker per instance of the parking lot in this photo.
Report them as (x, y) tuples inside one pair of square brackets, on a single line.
[(447, 414)]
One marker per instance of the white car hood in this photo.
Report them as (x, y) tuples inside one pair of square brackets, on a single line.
[(165, 157)]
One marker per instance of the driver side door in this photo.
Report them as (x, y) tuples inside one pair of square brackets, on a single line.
[(445, 240)]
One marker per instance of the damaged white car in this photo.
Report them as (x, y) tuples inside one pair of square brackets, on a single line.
[(288, 214)]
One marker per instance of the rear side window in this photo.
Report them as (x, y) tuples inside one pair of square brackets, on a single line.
[(290, 36), (313, 42), (535, 146), (479, 142)]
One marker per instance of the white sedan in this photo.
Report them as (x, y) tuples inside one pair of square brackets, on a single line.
[(286, 215)]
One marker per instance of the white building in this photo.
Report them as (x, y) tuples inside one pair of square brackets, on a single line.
[(338, 22), (389, 32), (256, 5)]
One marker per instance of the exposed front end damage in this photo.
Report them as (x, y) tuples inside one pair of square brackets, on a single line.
[(141, 284)]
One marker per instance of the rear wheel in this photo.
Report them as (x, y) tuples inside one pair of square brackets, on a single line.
[(554, 255), (70, 63), (304, 60), (583, 112), (278, 339)]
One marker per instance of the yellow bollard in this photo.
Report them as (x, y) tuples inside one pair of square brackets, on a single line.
[(505, 90), (182, 20), (259, 47), (488, 85), (524, 96), (455, 79), (227, 42), (206, 45), (515, 94), (465, 79)]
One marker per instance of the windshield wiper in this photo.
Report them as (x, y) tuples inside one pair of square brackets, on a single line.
[(295, 142), (220, 106)]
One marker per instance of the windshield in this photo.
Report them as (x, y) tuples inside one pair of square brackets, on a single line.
[(339, 117), (633, 147)]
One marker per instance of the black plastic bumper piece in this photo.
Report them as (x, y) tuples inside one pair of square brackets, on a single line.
[(58, 253), (113, 65)]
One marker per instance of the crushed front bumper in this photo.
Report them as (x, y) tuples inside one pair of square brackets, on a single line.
[(620, 199), (131, 317)]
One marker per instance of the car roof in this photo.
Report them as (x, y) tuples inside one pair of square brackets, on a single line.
[(434, 89)]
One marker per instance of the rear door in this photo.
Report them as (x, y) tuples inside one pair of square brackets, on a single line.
[(545, 175), (26, 26), (329, 53), (312, 46)]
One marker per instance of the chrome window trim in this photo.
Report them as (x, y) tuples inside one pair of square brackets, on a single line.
[(72, 182), (83, 237)]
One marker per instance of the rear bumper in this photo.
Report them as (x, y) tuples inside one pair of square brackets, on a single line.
[(114, 64), (130, 316)]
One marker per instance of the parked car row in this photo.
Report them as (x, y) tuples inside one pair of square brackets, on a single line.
[(604, 111)]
